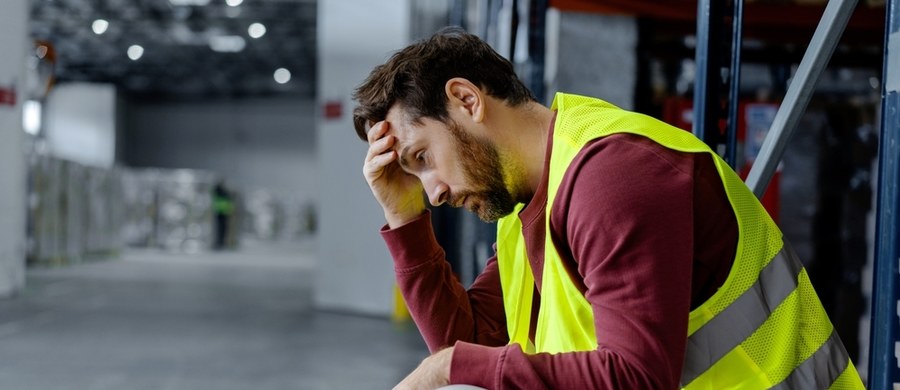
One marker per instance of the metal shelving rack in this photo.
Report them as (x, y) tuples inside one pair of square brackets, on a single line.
[(884, 367), (718, 61), (717, 73)]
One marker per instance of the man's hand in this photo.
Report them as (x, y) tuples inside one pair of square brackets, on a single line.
[(398, 192), (434, 372)]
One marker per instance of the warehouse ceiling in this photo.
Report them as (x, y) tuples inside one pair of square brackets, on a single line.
[(183, 48)]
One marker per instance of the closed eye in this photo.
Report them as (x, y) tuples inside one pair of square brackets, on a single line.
[(412, 162)]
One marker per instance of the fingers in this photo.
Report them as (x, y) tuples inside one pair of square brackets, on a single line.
[(380, 146), (376, 164), (379, 143), (380, 154), (377, 131)]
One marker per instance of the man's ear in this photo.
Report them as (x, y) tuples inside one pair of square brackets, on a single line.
[(466, 98)]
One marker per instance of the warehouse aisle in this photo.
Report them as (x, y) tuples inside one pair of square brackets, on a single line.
[(154, 320)]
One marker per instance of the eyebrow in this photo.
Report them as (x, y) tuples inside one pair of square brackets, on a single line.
[(402, 158)]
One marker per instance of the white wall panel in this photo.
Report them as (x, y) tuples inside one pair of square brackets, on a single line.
[(80, 123), (14, 43), (355, 271)]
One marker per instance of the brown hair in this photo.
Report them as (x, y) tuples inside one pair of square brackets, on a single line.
[(415, 77)]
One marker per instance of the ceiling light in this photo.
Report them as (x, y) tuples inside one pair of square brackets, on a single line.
[(234, 3), (256, 30), (227, 43), (282, 76), (135, 52), (99, 26), (189, 2)]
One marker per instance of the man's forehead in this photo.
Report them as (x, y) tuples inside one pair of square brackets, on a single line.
[(399, 115), (394, 116), (400, 123)]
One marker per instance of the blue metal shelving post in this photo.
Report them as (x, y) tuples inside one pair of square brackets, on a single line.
[(884, 367), (537, 41), (717, 84)]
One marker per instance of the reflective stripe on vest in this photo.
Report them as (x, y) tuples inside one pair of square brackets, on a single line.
[(763, 328), (725, 332)]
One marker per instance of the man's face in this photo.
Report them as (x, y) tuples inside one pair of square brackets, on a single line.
[(454, 166), (490, 199)]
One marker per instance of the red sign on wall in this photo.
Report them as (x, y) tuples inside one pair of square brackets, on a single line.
[(8, 96), (332, 109)]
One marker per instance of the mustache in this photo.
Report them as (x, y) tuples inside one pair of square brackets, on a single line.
[(457, 200)]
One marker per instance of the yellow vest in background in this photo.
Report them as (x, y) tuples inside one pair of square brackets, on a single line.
[(764, 328)]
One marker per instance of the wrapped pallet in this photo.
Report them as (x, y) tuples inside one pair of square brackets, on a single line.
[(73, 200), (138, 191), (49, 216), (74, 212), (184, 215), (265, 215), (101, 210)]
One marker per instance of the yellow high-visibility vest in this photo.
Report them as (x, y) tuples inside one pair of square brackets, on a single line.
[(764, 328)]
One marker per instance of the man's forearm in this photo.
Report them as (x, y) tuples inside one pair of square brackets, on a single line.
[(443, 310)]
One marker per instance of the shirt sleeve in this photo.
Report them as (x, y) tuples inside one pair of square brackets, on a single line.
[(624, 214), (444, 311)]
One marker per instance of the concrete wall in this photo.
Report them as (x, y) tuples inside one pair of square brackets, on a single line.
[(80, 123), (13, 44), (259, 143), (355, 272)]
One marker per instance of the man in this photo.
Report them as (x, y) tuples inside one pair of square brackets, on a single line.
[(224, 208), (628, 254)]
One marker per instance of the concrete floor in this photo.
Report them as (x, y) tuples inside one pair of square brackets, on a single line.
[(153, 320)]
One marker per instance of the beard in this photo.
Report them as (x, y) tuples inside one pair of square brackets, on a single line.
[(491, 199)]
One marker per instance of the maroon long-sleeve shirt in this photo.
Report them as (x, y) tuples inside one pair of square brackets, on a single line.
[(646, 233)]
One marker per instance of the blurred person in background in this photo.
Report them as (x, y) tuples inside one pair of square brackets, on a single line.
[(629, 255), (223, 206)]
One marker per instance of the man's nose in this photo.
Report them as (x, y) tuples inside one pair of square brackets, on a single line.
[(436, 189)]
